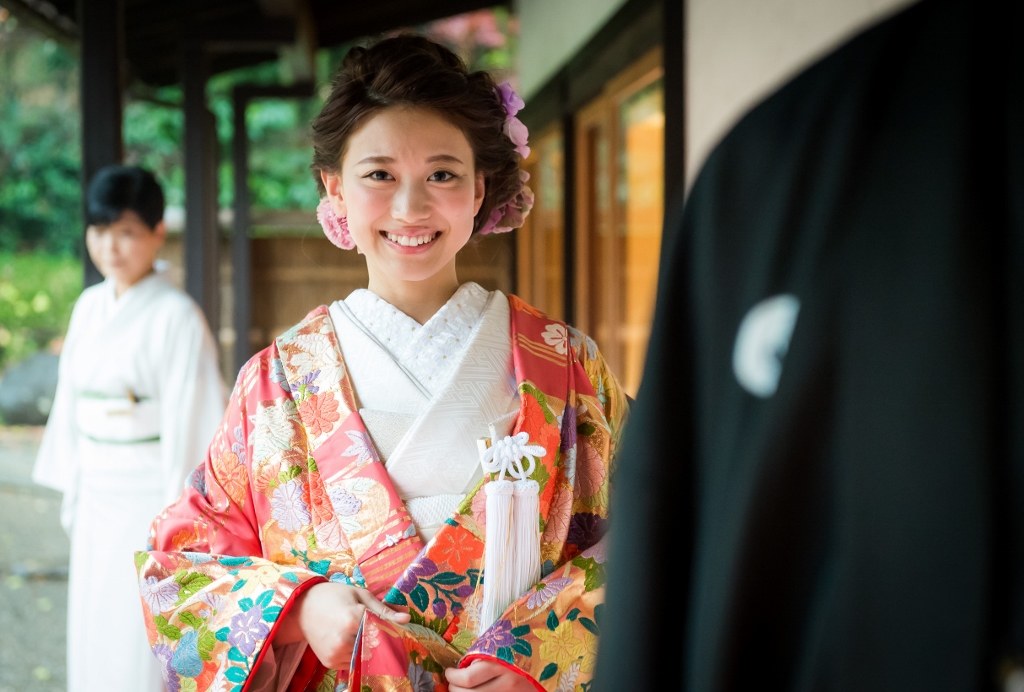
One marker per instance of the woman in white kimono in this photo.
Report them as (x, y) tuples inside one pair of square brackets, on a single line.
[(409, 487), (139, 396)]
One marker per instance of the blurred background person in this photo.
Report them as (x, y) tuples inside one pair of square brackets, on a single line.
[(829, 437), (139, 396)]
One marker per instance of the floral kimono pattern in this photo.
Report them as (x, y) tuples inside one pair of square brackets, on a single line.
[(293, 493)]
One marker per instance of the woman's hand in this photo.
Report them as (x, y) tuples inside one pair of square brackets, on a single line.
[(487, 676), (327, 617)]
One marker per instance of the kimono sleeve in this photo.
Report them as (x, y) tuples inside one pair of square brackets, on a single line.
[(56, 461), (607, 389), (210, 601)]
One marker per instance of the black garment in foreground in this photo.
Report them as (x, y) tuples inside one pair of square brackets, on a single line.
[(842, 477)]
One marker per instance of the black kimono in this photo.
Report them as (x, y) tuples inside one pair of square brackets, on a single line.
[(829, 436)]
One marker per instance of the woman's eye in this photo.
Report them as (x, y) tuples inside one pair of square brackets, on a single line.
[(442, 176), (378, 175)]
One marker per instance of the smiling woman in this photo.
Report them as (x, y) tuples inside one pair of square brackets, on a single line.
[(411, 484)]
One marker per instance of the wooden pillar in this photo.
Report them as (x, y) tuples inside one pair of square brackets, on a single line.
[(674, 65), (241, 256), (102, 51), (202, 235)]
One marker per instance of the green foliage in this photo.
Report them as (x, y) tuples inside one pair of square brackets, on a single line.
[(37, 292), (40, 192), (154, 135)]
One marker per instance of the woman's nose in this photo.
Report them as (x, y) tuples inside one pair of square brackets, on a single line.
[(411, 203)]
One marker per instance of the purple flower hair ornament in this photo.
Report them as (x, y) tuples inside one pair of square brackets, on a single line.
[(335, 227), (511, 215)]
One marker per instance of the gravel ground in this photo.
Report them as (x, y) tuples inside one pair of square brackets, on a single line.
[(33, 571)]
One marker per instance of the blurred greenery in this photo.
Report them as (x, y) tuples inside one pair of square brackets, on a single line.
[(34, 313), (40, 155)]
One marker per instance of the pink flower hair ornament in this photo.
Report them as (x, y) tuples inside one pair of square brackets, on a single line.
[(511, 215), (503, 218), (335, 227)]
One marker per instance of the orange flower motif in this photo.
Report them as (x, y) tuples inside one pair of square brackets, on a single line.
[(232, 476), (319, 502), (319, 412), (185, 539), (558, 518), (460, 548), (591, 471)]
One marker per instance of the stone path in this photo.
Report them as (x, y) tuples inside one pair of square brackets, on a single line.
[(33, 571)]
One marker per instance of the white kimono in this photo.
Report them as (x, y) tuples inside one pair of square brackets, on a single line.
[(430, 390), (139, 396)]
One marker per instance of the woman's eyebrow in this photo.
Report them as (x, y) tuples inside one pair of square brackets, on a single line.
[(437, 158)]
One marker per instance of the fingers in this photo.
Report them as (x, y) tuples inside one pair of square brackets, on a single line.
[(475, 674), (381, 609)]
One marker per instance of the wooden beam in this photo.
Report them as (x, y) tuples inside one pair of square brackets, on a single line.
[(102, 50)]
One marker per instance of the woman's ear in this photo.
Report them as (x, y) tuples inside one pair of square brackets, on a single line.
[(332, 184), (479, 188), (160, 231)]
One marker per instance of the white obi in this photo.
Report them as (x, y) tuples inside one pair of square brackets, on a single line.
[(117, 420)]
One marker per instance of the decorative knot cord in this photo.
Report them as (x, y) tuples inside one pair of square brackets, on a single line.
[(512, 528)]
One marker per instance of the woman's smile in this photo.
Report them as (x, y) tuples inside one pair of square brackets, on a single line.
[(411, 240)]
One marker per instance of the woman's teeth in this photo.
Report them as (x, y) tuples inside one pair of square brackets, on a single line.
[(410, 241)]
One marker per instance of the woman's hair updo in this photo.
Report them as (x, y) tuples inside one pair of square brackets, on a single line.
[(412, 70)]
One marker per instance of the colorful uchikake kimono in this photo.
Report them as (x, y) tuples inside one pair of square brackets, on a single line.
[(294, 493)]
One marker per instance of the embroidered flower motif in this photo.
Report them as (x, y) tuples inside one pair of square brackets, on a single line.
[(315, 352), (160, 595), (248, 630), (273, 431), (460, 548), (232, 475), (214, 602), (561, 645), (306, 385), (319, 412), (345, 503), (185, 660), (598, 552), (276, 373), (288, 506), (555, 336), (567, 680), (361, 447), (238, 446), (547, 593), (505, 456), (419, 679), (585, 529), (497, 636)]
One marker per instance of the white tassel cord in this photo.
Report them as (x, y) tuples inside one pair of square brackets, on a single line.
[(526, 535), (498, 591), (512, 534)]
